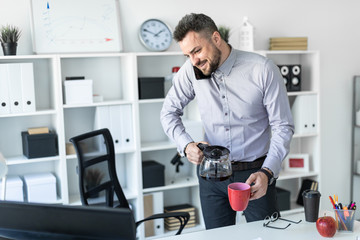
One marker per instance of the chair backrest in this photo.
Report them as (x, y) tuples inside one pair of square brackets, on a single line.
[(98, 179)]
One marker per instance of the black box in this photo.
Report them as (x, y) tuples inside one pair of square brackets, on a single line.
[(151, 87), (39, 145), (283, 199), (153, 174)]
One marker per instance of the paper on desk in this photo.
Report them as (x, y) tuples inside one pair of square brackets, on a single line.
[(259, 238)]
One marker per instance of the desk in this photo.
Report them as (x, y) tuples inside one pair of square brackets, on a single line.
[(256, 231)]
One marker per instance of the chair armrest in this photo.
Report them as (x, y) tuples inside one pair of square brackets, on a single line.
[(183, 218)]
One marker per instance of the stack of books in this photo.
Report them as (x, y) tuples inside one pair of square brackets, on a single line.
[(172, 223), (289, 43)]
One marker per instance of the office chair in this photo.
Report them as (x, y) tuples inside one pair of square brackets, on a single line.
[(98, 177)]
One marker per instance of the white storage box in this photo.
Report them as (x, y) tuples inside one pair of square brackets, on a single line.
[(40, 187), (14, 189), (78, 91)]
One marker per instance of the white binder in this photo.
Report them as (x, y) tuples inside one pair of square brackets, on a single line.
[(4, 90), (27, 87), (109, 117), (15, 91), (126, 125), (115, 129), (304, 111)]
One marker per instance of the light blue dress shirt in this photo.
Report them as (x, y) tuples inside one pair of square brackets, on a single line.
[(243, 106)]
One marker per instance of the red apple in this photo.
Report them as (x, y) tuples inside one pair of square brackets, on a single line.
[(326, 226)]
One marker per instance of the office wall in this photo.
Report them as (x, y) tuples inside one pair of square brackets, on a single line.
[(331, 26)]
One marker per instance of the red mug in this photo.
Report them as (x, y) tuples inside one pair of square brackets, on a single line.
[(239, 195)]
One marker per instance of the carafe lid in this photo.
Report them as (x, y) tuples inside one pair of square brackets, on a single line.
[(215, 151)]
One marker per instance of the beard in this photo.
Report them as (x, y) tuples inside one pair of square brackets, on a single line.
[(214, 64)]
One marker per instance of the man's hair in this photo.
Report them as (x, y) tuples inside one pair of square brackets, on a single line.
[(199, 23)]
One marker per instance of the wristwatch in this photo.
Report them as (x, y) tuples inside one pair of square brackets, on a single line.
[(270, 176)]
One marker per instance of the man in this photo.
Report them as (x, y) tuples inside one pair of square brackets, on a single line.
[(244, 107)]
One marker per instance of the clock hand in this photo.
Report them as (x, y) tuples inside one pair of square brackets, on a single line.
[(159, 33), (145, 30)]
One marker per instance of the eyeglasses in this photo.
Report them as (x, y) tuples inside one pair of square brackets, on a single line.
[(273, 218)]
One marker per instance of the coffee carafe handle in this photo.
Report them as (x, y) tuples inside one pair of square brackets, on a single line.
[(202, 146)]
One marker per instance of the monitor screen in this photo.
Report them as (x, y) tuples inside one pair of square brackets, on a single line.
[(21, 220)]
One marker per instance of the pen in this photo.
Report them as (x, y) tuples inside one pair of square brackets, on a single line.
[(352, 206), (349, 206), (332, 202)]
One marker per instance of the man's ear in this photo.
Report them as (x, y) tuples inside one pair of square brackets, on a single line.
[(216, 38)]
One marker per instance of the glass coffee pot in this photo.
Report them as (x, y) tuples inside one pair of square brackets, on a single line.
[(216, 165)]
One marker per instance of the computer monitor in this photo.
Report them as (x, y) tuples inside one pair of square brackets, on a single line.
[(19, 220)]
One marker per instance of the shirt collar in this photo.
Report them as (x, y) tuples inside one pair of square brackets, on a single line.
[(226, 67)]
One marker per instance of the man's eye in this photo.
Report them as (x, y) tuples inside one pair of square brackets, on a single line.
[(197, 51)]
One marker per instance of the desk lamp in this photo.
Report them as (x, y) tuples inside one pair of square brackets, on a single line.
[(3, 171)]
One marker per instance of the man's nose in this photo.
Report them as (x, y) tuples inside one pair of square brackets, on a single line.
[(195, 60)]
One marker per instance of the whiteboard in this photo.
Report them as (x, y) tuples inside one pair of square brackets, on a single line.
[(75, 26)]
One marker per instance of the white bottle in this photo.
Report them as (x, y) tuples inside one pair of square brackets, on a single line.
[(169, 79), (246, 36)]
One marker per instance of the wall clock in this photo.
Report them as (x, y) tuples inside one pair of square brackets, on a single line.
[(155, 35)]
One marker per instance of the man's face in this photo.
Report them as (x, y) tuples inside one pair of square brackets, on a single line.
[(202, 52)]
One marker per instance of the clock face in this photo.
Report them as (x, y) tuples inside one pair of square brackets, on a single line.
[(155, 35)]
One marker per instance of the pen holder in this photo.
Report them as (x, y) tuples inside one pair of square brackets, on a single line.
[(345, 219)]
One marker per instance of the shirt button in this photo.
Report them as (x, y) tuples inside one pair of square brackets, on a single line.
[(225, 114), (227, 129), (223, 96)]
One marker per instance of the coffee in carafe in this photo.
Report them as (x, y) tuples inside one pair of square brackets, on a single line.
[(215, 165)]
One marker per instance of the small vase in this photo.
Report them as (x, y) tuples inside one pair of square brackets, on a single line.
[(9, 48)]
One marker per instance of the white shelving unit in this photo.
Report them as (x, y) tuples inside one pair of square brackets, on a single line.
[(115, 77), (355, 174)]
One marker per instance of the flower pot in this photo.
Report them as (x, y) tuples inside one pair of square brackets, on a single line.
[(9, 48)]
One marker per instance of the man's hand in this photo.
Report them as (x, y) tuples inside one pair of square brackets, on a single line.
[(260, 181), (193, 153)]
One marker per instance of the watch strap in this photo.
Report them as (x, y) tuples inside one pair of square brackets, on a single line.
[(269, 175)]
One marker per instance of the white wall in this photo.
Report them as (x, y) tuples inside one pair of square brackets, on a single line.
[(332, 26)]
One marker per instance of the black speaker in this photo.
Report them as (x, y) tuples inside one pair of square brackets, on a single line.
[(292, 77), (285, 72), (295, 78)]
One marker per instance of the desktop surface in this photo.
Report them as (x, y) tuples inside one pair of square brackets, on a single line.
[(256, 231)]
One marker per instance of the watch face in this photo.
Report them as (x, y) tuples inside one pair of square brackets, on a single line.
[(155, 35)]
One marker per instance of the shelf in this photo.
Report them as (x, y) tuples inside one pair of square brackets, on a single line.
[(167, 233), (286, 52), (75, 198), (123, 151), (183, 182), (294, 208), (301, 135), (23, 160), (302, 93), (284, 175), (155, 100), (29, 114), (93, 55), (153, 146), (104, 103)]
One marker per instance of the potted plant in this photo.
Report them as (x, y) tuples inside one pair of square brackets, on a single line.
[(224, 33), (9, 36), (93, 178)]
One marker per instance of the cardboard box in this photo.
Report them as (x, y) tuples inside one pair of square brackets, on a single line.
[(39, 145), (14, 189), (78, 91), (40, 187), (153, 174), (151, 87)]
